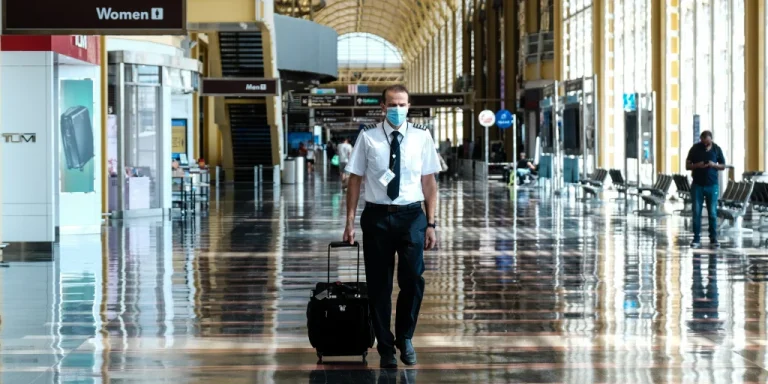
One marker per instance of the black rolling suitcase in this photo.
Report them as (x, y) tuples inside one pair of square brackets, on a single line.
[(338, 318), (77, 137)]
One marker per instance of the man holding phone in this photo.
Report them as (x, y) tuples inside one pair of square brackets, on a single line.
[(704, 160)]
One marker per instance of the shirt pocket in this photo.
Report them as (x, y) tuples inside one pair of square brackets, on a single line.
[(378, 158), (413, 156)]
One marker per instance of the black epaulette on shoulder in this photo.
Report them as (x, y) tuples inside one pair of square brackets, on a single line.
[(420, 126), (369, 126)]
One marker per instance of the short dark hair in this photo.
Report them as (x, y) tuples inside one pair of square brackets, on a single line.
[(398, 88), (705, 135)]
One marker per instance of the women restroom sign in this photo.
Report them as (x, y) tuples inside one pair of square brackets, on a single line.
[(94, 17)]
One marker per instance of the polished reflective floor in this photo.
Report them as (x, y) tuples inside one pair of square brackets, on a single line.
[(553, 290)]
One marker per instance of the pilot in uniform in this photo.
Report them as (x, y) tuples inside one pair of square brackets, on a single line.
[(398, 161)]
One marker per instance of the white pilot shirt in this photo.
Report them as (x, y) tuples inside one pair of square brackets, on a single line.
[(370, 159)]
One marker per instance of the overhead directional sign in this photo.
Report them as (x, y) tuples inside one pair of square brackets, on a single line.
[(419, 112), (332, 112), (235, 86), (94, 17), (367, 100), (418, 100), (437, 100), (362, 114), (368, 112), (339, 100)]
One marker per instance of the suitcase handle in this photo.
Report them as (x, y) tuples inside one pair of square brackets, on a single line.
[(343, 244)]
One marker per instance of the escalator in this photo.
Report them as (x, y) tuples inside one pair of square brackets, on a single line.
[(251, 139), (242, 55)]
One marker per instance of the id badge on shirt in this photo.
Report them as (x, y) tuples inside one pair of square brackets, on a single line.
[(387, 177)]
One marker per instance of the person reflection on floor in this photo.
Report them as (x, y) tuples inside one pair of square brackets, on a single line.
[(706, 318), (363, 376)]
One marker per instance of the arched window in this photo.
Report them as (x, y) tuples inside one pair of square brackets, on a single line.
[(365, 49)]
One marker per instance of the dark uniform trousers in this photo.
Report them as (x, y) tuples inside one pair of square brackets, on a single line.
[(386, 232)]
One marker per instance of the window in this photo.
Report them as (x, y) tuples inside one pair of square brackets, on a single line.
[(631, 72), (366, 50), (712, 45), (577, 39)]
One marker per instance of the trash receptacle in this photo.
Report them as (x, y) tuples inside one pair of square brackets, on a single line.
[(289, 171), (301, 169)]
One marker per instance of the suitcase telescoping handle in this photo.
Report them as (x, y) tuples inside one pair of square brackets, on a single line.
[(343, 244)]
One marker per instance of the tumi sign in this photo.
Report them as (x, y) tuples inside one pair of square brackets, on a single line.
[(238, 87), (17, 138), (94, 17)]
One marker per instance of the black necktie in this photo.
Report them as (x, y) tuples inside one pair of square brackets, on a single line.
[(393, 189)]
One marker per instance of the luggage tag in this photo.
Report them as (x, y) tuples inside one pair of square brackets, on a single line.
[(322, 295), (387, 177)]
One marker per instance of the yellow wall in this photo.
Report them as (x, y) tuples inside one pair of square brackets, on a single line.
[(222, 11), (174, 41), (545, 72)]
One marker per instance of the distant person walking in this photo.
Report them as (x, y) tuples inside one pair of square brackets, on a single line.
[(345, 151), (310, 154), (704, 160)]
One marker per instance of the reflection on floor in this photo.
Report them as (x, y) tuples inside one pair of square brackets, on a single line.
[(554, 291)]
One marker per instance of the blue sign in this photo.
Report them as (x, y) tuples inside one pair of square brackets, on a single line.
[(504, 119), (629, 101), (696, 128)]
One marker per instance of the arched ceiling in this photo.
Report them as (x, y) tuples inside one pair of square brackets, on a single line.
[(407, 24)]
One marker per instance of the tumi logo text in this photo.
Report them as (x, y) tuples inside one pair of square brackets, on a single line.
[(105, 13), (255, 87), (20, 137), (81, 41)]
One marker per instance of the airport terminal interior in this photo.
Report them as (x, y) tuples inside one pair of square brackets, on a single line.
[(172, 179)]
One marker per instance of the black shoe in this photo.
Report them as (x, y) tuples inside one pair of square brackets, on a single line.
[(714, 244), (388, 361), (407, 353)]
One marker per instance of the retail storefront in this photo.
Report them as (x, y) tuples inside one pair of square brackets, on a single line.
[(150, 103), (51, 137)]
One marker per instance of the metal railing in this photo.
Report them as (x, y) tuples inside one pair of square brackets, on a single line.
[(220, 174)]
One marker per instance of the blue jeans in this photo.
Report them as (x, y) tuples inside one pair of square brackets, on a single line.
[(699, 195)]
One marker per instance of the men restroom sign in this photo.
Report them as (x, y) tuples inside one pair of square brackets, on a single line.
[(238, 86), (94, 17)]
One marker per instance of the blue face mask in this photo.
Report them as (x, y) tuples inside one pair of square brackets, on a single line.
[(397, 115)]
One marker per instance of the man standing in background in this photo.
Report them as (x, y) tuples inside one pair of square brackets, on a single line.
[(704, 160)]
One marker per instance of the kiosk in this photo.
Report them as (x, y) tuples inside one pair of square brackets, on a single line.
[(640, 140), (550, 160), (579, 128)]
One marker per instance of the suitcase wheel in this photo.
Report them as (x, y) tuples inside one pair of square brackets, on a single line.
[(365, 355), (319, 358)]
